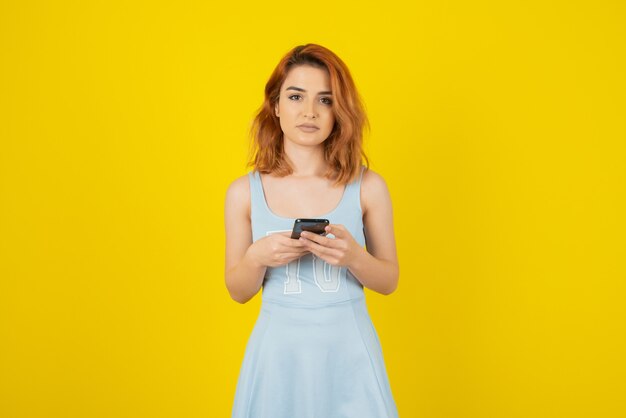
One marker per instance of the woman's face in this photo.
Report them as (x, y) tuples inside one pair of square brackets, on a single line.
[(306, 99)]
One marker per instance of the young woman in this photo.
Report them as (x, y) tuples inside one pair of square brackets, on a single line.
[(313, 351)]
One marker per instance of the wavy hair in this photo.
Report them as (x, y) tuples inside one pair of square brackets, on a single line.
[(343, 149)]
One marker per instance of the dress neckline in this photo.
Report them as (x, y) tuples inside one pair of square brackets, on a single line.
[(271, 212)]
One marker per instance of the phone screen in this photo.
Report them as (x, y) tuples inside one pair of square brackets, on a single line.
[(312, 225)]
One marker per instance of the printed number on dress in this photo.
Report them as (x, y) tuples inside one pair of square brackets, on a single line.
[(326, 276)]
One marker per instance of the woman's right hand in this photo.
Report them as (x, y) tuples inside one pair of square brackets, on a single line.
[(276, 250)]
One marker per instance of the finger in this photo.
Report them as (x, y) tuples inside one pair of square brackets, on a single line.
[(294, 244), (316, 248), (291, 256), (324, 253), (289, 242), (319, 239), (300, 247), (337, 230)]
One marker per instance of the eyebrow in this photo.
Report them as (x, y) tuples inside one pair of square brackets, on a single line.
[(303, 90)]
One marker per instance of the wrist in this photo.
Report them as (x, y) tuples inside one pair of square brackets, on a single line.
[(252, 258), (358, 260)]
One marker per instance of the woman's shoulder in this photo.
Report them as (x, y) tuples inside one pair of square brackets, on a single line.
[(239, 190), (373, 189), (240, 184), (372, 182)]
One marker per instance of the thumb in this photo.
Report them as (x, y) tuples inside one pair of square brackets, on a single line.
[(337, 230)]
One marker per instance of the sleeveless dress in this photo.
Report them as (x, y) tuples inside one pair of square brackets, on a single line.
[(313, 352)]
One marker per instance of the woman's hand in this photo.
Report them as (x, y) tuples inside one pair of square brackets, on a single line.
[(339, 251), (276, 250)]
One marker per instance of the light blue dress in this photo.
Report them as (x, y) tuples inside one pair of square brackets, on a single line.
[(314, 352)]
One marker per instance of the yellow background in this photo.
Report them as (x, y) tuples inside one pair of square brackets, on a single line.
[(499, 127)]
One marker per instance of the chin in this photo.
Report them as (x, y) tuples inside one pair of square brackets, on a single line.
[(308, 141)]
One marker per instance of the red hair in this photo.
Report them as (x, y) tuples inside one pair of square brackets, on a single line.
[(343, 149)]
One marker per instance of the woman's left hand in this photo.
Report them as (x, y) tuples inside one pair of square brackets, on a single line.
[(339, 251)]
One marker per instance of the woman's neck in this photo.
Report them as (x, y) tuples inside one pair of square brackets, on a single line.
[(306, 161)]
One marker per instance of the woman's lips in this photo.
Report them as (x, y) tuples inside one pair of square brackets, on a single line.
[(307, 128)]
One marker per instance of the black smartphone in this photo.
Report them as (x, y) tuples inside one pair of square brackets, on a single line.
[(312, 225)]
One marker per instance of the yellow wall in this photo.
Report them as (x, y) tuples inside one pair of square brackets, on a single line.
[(499, 126)]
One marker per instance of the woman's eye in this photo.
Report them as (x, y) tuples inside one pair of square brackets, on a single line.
[(326, 100), (294, 95)]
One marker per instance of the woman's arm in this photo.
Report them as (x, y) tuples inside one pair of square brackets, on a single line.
[(377, 268), (246, 262), (243, 275)]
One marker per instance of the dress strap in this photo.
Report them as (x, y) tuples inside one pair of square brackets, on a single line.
[(353, 191), (257, 199)]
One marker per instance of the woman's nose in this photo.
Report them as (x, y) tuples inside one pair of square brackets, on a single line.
[(310, 111)]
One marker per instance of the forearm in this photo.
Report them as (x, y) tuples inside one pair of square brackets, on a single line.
[(378, 275), (244, 279)]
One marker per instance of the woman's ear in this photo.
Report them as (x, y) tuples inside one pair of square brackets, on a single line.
[(276, 110)]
